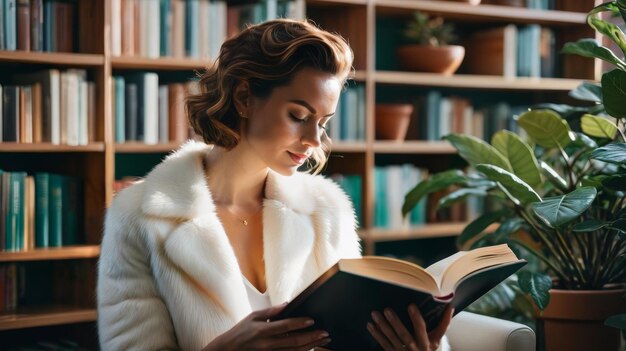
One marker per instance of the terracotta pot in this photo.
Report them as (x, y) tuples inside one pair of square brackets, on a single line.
[(392, 121), (574, 320), (471, 2), (420, 58)]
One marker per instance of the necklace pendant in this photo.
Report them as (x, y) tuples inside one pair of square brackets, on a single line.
[(245, 222)]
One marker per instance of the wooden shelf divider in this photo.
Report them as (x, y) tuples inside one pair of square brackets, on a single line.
[(53, 58), (52, 253), (46, 316), (47, 147)]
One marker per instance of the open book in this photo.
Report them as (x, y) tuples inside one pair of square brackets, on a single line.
[(341, 300)]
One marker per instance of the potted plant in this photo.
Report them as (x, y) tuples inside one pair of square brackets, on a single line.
[(427, 48), (560, 197)]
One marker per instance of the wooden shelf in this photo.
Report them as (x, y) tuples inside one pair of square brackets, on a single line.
[(481, 13), (414, 147), (348, 147), (437, 230), (359, 76), (46, 316), (336, 2), (47, 147), (476, 81), (161, 63), (52, 58), (142, 148), (52, 253)]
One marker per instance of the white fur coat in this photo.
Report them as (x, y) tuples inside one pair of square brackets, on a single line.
[(168, 278)]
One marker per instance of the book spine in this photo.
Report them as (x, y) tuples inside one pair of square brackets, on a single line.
[(55, 207), (23, 25), (69, 211), (120, 107), (42, 201), (10, 113), (10, 25), (36, 25)]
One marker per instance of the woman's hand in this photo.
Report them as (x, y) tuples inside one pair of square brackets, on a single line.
[(256, 332), (392, 335)]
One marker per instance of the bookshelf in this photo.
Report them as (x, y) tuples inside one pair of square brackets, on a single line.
[(71, 308)]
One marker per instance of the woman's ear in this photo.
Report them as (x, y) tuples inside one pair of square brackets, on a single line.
[(240, 98)]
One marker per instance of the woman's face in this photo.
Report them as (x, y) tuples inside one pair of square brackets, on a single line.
[(284, 128)]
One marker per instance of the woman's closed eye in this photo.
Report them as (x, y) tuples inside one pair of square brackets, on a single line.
[(305, 119)]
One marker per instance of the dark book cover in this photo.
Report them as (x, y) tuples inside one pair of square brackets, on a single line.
[(10, 113), (341, 303)]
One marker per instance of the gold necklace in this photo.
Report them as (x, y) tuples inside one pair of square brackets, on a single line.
[(244, 221)]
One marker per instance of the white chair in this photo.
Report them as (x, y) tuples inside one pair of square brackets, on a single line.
[(474, 332)]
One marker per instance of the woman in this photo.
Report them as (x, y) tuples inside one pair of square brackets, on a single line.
[(215, 233)]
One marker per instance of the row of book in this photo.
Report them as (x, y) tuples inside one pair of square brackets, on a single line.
[(48, 106), (438, 115), (391, 184), (148, 112), (38, 25), (348, 123), (531, 4), (38, 211), (184, 28), (512, 51)]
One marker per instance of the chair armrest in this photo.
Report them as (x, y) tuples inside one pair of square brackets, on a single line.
[(474, 332)]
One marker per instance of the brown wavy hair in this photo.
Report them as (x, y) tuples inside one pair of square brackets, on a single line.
[(266, 56)]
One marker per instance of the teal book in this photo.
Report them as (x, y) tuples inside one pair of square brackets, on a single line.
[(14, 222), (120, 108), (55, 207), (191, 28), (342, 299), (70, 211), (10, 25), (42, 200), (165, 27)]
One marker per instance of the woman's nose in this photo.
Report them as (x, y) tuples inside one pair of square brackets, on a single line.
[(312, 135)]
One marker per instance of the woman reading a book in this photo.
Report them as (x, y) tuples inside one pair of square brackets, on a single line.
[(203, 252)]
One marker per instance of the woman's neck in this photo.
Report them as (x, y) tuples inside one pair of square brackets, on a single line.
[(235, 178)]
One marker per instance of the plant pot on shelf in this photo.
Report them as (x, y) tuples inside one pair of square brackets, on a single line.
[(471, 2), (422, 58), (574, 320), (392, 121)]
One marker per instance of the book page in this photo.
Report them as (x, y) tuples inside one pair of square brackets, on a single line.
[(438, 268), (392, 271)]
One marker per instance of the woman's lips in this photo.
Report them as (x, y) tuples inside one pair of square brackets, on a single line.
[(298, 158)]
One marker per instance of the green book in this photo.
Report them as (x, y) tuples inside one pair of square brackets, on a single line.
[(42, 201), (341, 300), (14, 225), (70, 209), (55, 208)]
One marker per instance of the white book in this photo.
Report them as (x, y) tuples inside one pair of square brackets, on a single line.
[(205, 28), (116, 27), (163, 114), (510, 51), (271, 9), (445, 112), (28, 114), (69, 108), (83, 115), (154, 29), (395, 196), (151, 108)]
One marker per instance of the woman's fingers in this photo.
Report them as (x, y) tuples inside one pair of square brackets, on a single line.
[(284, 326), (419, 327), (267, 313), (379, 337), (300, 340), (436, 334), (405, 337), (387, 330)]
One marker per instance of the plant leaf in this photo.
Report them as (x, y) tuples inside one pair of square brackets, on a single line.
[(508, 227), (546, 128), (516, 187), (619, 224), (612, 153), (559, 210), (618, 321), (520, 156), (590, 225), (609, 30), (459, 195), (476, 151), (585, 141), (587, 91), (537, 285), (598, 127), (615, 182), (435, 183), (553, 176), (589, 47), (478, 225), (614, 92)]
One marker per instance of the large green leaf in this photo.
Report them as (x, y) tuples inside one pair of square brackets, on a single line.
[(609, 30), (538, 285), (508, 227), (437, 182), (614, 92), (589, 48), (476, 151), (478, 225), (598, 127), (459, 195), (590, 225), (559, 210), (546, 128), (520, 156), (553, 176), (516, 187), (587, 91), (612, 153)]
